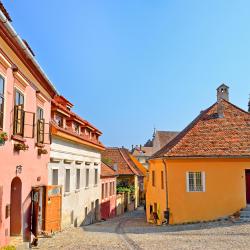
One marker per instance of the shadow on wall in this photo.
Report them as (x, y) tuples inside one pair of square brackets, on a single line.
[(91, 216)]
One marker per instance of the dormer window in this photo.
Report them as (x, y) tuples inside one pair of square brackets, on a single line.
[(76, 127), (59, 120)]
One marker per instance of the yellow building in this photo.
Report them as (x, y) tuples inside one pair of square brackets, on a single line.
[(203, 173), (128, 171)]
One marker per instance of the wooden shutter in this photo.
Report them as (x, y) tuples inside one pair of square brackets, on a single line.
[(29, 124), (1, 205), (18, 120), (40, 130)]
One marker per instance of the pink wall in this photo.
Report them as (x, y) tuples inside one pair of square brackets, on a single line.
[(34, 167), (108, 205)]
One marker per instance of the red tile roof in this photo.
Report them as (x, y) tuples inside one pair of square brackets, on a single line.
[(212, 136), (55, 103), (121, 157), (107, 171), (165, 137)]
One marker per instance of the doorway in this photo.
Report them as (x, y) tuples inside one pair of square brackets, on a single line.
[(248, 186), (16, 207)]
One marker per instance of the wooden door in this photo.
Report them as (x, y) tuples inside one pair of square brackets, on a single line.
[(248, 186), (53, 208), (16, 207)]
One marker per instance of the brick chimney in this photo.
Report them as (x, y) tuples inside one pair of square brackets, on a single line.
[(223, 92)]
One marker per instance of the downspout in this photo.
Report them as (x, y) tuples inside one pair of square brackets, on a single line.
[(26, 50), (166, 215)]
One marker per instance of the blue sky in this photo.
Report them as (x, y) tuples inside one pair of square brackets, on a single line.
[(130, 66)]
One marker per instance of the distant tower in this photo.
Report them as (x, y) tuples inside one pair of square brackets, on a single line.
[(223, 92), (249, 104)]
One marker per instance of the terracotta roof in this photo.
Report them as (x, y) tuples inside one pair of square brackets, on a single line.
[(107, 171), (142, 151), (121, 157), (82, 136), (72, 114), (210, 135), (165, 137)]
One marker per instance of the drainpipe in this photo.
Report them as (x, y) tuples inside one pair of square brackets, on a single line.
[(26, 50), (166, 183)]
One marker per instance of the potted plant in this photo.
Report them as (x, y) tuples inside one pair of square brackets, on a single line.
[(42, 151), (20, 146), (3, 137)]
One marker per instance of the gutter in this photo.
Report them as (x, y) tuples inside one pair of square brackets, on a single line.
[(26, 50), (166, 183)]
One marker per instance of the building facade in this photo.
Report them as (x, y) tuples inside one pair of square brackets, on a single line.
[(108, 192), (25, 96), (203, 174), (128, 172), (75, 164)]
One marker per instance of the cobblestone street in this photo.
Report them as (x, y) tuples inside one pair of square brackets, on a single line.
[(131, 232)]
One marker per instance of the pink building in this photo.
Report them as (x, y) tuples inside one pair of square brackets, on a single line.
[(25, 97), (108, 200)]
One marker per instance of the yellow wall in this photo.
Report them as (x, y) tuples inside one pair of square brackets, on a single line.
[(155, 194), (143, 170), (225, 189)]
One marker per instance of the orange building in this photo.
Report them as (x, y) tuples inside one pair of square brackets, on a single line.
[(203, 173)]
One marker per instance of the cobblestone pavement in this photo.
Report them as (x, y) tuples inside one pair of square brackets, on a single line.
[(130, 231)]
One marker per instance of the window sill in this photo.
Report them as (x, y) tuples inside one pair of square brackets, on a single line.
[(18, 138), (96, 185), (77, 190), (86, 188), (67, 194), (40, 145)]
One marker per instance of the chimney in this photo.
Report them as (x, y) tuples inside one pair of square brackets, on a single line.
[(222, 92)]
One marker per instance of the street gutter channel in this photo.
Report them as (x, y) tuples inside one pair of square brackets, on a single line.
[(121, 232)]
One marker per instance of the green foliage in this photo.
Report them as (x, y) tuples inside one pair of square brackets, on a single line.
[(8, 248), (124, 189), (107, 161)]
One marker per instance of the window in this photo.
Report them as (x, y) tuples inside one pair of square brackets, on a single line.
[(96, 176), (39, 113), (59, 120), (153, 178), (102, 190), (78, 179), (40, 125), (106, 190), (76, 128), (54, 176), (162, 180), (19, 114), (1, 101), (19, 98), (195, 181), (67, 181), (87, 177)]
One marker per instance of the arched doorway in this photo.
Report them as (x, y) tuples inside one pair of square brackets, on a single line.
[(16, 207)]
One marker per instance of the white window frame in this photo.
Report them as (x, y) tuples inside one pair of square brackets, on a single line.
[(203, 182), (52, 170), (70, 172), (78, 182)]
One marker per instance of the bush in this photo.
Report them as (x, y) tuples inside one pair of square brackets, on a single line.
[(8, 248)]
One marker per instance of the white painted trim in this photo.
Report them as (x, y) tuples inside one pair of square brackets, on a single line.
[(203, 181), (4, 61), (187, 182)]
